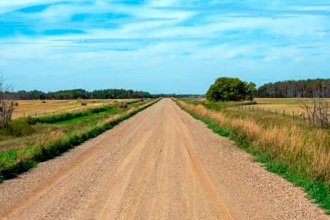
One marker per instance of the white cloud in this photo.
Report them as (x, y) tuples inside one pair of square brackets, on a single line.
[(153, 40), (11, 5)]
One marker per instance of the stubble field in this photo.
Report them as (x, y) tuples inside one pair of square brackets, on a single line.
[(48, 107)]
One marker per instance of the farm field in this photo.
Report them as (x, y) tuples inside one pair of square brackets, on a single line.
[(159, 164), (38, 108), (288, 105)]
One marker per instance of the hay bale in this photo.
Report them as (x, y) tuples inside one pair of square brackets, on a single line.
[(84, 104), (123, 105)]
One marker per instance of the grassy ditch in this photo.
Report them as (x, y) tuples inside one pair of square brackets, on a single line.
[(57, 141), (25, 131), (299, 153), (73, 115)]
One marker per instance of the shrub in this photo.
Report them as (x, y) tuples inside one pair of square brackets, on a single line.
[(19, 127), (230, 89)]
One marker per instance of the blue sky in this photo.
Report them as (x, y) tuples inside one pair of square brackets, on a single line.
[(165, 46)]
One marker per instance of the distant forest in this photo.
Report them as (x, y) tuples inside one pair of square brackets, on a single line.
[(283, 89), (296, 89), (81, 94)]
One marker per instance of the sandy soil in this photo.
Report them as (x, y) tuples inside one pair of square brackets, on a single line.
[(160, 164)]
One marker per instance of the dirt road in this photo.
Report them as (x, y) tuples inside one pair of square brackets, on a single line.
[(160, 164)]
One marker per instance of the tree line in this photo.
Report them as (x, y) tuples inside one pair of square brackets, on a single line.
[(309, 88), (80, 94)]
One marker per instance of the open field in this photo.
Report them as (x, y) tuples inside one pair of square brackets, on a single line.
[(298, 152), (280, 105), (30, 140), (37, 107), (159, 164), (288, 105)]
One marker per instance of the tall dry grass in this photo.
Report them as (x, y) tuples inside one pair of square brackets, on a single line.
[(303, 149)]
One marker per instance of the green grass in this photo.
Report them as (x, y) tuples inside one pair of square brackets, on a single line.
[(88, 117), (22, 131), (315, 187), (218, 105), (287, 101), (14, 162), (72, 115)]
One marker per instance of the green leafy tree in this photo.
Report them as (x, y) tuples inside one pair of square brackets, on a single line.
[(251, 91), (230, 89)]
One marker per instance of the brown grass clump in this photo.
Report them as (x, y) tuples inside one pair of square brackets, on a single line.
[(49, 136), (123, 105)]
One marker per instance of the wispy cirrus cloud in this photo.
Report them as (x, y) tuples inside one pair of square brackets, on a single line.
[(108, 42)]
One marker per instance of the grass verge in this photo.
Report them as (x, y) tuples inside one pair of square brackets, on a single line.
[(300, 164), (14, 162), (73, 115)]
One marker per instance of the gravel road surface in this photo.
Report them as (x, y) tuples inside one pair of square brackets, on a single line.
[(159, 164)]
